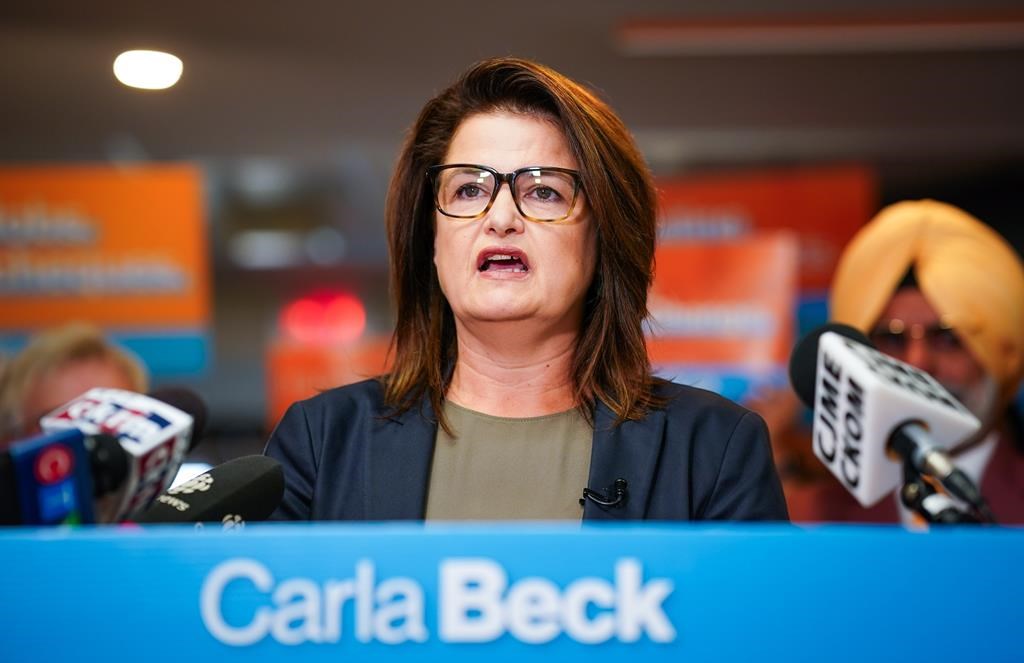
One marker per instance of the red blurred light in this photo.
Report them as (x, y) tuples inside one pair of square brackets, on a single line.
[(324, 319), (301, 321), (345, 317)]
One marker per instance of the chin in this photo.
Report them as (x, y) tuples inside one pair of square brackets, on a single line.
[(497, 306), (499, 315)]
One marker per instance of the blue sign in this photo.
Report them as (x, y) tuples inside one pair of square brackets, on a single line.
[(488, 593), (167, 354), (52, 479)]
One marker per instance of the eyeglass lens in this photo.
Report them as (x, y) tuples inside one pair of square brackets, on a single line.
[(894, 339), (539, 193)]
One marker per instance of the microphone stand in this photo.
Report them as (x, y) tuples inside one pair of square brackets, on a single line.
[(936, 508)]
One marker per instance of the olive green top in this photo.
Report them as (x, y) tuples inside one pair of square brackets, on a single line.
[(498, 468)]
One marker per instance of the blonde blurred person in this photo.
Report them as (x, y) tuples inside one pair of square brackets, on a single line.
[(56, 366)]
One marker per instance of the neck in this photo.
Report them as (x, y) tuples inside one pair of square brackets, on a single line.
[(504, 370)]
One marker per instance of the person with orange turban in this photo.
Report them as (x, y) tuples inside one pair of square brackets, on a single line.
[(933, 286)]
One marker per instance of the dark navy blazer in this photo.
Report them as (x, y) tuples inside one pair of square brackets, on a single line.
[(702, 457)]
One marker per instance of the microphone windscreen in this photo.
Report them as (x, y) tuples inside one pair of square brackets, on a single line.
[(803, 363), (249, 488), (188, 402), (110, 463)]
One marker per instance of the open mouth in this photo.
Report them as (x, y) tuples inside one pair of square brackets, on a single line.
[(503, 261)]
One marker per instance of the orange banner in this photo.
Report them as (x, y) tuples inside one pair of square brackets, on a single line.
[(117, 246), (296, 371), (724, 302), (824, 205)]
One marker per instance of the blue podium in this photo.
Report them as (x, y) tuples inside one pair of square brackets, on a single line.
[(390, 592)]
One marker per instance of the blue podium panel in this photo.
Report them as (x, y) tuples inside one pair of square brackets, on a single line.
[(495, 593)]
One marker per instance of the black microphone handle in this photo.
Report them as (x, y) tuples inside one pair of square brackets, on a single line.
[(936, 508), (10, 509), (911, 441), (108, 462), (945, 511), (190, 403)]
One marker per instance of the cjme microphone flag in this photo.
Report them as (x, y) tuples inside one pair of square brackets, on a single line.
[(862, 396)]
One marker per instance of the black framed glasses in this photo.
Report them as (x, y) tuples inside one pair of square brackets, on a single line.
[(541, 193)]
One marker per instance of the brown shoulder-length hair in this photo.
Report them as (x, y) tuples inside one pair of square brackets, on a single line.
[(610, 363)]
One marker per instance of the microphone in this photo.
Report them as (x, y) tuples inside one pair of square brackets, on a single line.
[(615, 496), (244, 489), (154, 434), (919, 496), (870, 408), (47, 480), (188, 402), (53, 478)]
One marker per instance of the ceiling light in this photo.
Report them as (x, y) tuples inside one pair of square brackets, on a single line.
[(149, 70)]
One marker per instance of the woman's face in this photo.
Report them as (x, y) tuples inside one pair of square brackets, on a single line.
[(503, 267)]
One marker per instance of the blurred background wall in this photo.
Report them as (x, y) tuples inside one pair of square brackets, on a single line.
[(290, 115)]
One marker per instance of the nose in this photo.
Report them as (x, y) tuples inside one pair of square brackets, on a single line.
[(918, 354), (503, 217)]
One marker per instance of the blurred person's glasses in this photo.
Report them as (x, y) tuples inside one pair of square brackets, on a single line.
[(893, 337), (541, 193)]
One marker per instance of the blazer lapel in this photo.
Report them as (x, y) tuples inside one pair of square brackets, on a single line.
[(398, 458), (629, 451)]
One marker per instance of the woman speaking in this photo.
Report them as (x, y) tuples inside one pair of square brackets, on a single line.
[(521, 227)]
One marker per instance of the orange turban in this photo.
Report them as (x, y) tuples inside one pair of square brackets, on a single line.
[(967, 271)]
